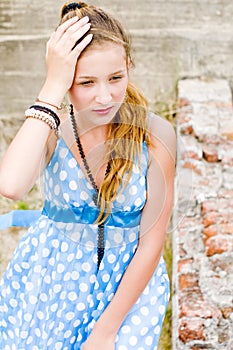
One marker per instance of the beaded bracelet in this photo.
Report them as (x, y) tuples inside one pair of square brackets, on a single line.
[(45, 117), (48, 111)]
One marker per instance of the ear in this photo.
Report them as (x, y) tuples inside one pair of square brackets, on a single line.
[(128, 63)]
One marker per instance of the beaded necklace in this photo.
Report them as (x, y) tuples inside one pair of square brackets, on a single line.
[(100, 238)]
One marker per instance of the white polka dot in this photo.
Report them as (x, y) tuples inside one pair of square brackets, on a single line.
[(70, 257), (12, 320), (34, 242), (63, 175), (24, 334), (144, 311), (126, 257), (45, 252), (63, 295), (57, 288), (72, 296), (75, 275), (66, 197), (86, 267), (67, 334), (83, 287), (80, 306), (161, 289), (55, 243), (29, 286), (144, 330), (64, 247), (133, 340), (72, 163), (47, 279), (153, 300), (118, 238), (133, 190), (57, 190), (51, 261), (149, 340), (84, 195), (27, 317), (120, 198), (106, 277), (15, 285), (136, 320), (43, 297), (13, 302), (80, 174), (77, 323), (157, 330), (40, 315), (162, 309), (73, 185), (38, 332), (122, 347), (58, 346), (55, 168), (125, 329), (111, 258), (50, 182), (138, 202), (25, 265), (118, 277), (142, 181), (32, 300), (63, 153), (132, 236), (70, 316), (154, 320)]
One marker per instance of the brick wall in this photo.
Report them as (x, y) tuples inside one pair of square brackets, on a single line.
[(203, 216)]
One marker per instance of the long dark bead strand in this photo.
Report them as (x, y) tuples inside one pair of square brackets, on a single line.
[(100, 238)]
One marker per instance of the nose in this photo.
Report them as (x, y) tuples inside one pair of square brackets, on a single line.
[(103, 95)]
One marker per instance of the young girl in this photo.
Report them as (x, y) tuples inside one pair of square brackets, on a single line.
[(89, 273)]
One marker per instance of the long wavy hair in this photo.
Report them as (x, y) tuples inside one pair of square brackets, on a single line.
[(129, 128)]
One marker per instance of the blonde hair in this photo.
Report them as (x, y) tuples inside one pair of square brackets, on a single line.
[(129, 128)]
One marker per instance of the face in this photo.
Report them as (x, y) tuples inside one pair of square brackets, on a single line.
[(100, 83)]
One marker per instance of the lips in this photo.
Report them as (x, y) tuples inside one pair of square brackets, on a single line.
[(103, 111)]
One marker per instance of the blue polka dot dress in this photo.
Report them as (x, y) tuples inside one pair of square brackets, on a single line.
[(52, 292)]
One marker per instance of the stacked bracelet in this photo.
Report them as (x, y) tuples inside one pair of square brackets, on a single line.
[(48, 111), (44, 114), (33, 113)]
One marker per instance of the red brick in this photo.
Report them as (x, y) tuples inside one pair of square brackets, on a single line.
[(210, 231), (191, 329), (186, 128), (211, 218), (192, 304), (188, 280), (208, 206), (210, 153), (227, 311), (193, 164), (226, 228), (218, 245), (185, 264)]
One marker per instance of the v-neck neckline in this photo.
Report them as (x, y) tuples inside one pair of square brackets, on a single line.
[(78, 165)]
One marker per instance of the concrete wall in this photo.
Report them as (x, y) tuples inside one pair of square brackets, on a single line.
[(172, 40)]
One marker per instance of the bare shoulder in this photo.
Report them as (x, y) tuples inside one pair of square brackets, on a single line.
[(163, 135)]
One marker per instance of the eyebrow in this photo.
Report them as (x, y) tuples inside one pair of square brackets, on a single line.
[(92, 77)]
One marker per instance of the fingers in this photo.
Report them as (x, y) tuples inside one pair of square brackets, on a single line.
[(81, 46), (69, 34), (70, 26)]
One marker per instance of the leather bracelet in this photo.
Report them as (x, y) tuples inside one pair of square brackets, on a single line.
[(48, 103)]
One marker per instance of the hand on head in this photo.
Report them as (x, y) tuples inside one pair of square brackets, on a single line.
[(63, 49)]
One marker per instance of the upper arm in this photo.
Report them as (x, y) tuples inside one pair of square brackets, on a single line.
[(160, 183)]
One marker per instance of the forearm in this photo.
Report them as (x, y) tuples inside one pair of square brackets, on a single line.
[(134, 281), (23, 160)]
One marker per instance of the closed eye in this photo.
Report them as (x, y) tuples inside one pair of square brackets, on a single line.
[(85, 83), (116, 77)]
